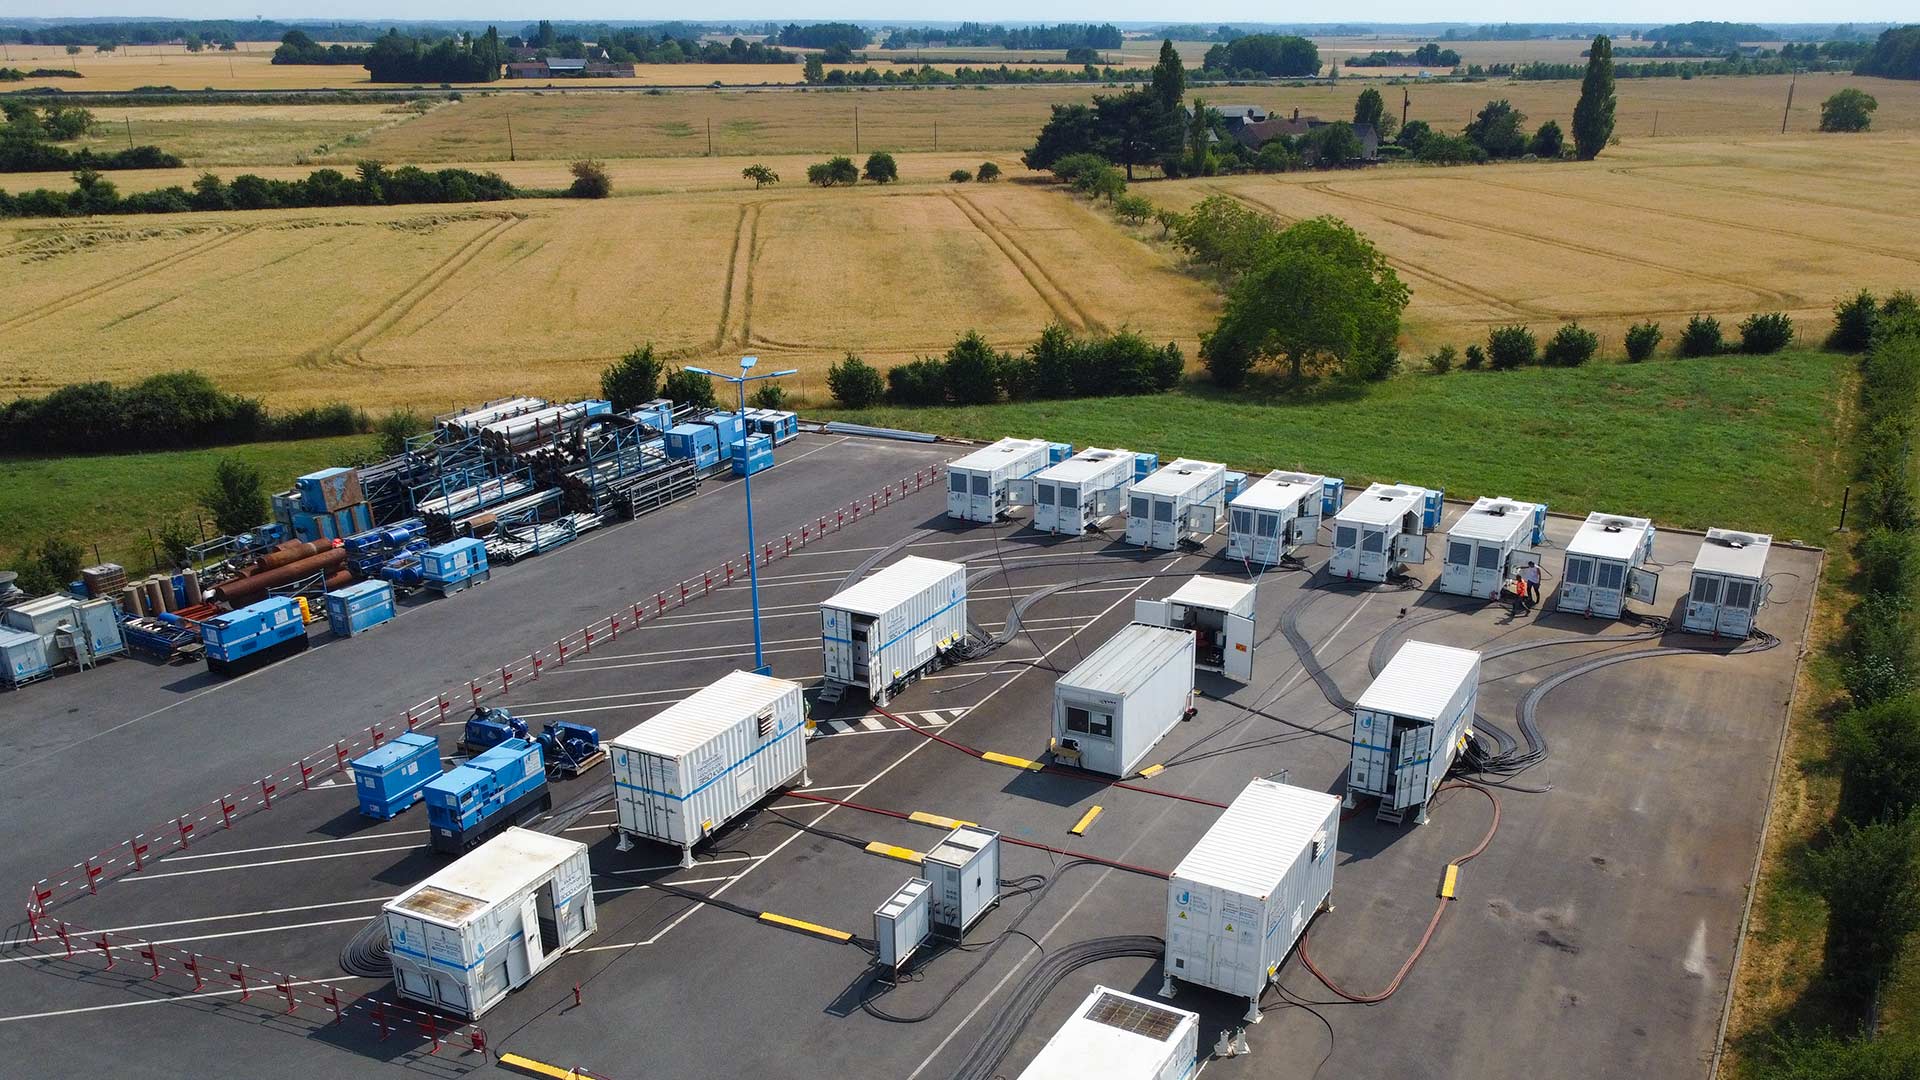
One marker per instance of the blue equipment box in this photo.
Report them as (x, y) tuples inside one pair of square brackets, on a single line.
[(755, 456), (776, 423), (1144, 466), (698, 443), (254, 636), (391, 778), (328, 490), (454, 565), (1058, 452), (359, 607), (471, 802)]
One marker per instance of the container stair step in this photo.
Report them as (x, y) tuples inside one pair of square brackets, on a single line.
[(1387, 815), (830, 693)]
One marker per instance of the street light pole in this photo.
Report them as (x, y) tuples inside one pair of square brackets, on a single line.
[(740, 381)]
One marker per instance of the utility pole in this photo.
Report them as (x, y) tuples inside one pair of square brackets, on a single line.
[(709, 136), (1656, 122), (856, 129), (1789, 109), (936, 137), (1406, 99), (129, 119), (511, 155)]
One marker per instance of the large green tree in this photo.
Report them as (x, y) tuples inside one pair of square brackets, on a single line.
[(237, 497), (1277, 55), (1369, 107), (1497, 130), (1169, 76), (1848, 110), (1593, 115)]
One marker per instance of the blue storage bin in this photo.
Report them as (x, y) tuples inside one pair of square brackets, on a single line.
[(359, 607), (391, 778), (454, 565), (1144, 466)]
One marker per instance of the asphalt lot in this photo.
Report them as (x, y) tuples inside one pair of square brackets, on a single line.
[(1593, 938)]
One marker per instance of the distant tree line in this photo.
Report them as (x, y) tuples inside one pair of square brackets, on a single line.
[(824, 36), (13, 74), (1502, 32), (664, 43), (1896, 55), (1057, 365), (469, 59), (1429, 55), (1719, 36), (372, 185), (27, 143), (298, 48), (982, 35), (1539, 71), (171, 411), (1257, 56), (927, 75), (1196, 32)]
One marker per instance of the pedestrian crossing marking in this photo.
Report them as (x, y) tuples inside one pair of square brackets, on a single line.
[(930, 718)]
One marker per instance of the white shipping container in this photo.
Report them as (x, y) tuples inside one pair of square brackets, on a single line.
[(1382, 530), (1183, 500), (1117, 704), (490, 921), (901, 924), (1605, 566), (708, 758), (888, 628), (1410, 723), (1489, 544), (1220, 615), (1275, 516), (1242, 897), (1729, 583), (977, 483), (1116, 1036), (1078, 492)]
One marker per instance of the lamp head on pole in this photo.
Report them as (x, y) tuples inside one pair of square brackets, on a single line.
[(701, 371), (748, 361)]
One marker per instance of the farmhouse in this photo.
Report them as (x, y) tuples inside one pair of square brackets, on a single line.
[(1258, 133), (559, 66), (528, 69), (571, 69)]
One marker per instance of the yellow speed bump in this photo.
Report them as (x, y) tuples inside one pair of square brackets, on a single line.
[(1449, 880), (1009, 759), (537, 1068), (1081, 827), (805, 927), (1152, 770), (938, 821), (892, 851)]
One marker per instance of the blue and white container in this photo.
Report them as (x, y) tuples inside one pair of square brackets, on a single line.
[(779, 425), (1488, 545), (884, 630), (23, 656), (1409, 725), (487, 924), (1606, 565), (708, 758), (359, 607), (698, 443), (755, 456), (455, 565), (1116, 1036), (1383, 530), (728, 427), (1275, 516), (1078, 492), (391, 778)]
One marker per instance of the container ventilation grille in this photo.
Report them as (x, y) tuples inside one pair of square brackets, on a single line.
[(1138, 1017)]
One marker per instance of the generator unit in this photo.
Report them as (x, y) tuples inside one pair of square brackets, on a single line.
[(23, 657), (698, 443), (1729, 583), (488, 728), (1069, 497), (455, 565), (777, 424), (490, 921), (902, 924), (1409, 725), (977, 484), (1240, 900), (570, 749), (472, 801), (390, 778), (885, 630), (1116, 1036), (1605, 566), (1489, 544), (1383, 530), (359, 607), (249, 638), (1180, 502), (753, 454), (1116, 705), (1220, 615), (1277, 515), (963, 872)]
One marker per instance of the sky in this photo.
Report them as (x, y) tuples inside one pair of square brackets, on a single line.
[(516, 12)]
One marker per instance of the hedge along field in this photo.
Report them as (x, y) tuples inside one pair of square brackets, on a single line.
[(1744, 442)]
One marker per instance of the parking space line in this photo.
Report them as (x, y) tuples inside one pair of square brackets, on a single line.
[(204, 937), (246, 914), (745, 649), (296, 844), (151, 876), (170, 999)]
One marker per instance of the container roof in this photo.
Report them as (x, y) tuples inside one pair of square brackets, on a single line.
[(1180, 476), (1278, 490), (1112, 1035), (1382, 504), (403, 746), (1007, 449), (883, 591), (1127, 659), (44, 605), (10, 636), (1739, 554), (1419, 681), (1211, 592), (1498, 519), (1253, 843), (360, 588), (487, 875), (1087, 464), (1609, 536), (694, 720)]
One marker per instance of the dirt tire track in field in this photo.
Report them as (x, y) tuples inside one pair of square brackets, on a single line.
[(1418, 271), (203, 287), (454, 304), (736, 301), (138, 273), (346, 351), (1064, 306), (1771, 296), (1644, 172)]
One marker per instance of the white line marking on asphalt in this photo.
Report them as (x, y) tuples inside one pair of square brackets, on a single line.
[(150, 876), (246, 914), (136, 945), (297, 844), (168, 1000)]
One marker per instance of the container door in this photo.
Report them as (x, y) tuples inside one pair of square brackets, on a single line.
[(836, 642), (1576, 583), (1372, 743), (1237, 662), (1703, 603), (957, 497), (1202, 519), (1020, 492), (1345, 561), (1307, 515), (1413, 749), (1110, 501), (1153, 612), (1736, 609), (1410, 549), (983, 498), (1240, 534), (451, 993), (1489, 569), (530, 930), (1456, 569), (1139, 527), (1643, 585)]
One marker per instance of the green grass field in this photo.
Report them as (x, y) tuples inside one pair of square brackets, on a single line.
[(1737, 442), (111, 500)]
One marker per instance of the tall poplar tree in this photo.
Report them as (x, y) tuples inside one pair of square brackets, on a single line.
[(1593, 116)]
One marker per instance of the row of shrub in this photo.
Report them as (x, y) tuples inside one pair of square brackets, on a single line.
[(171, 411), (973, 372), (372, 185), (1515, 346)]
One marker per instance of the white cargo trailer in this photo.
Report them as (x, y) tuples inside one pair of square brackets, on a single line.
[(1242, 897), (1181, 501), (1078, 492), (1382, 531), (1410, 724), (1605, 566), (708, 758), (490, 921), (1220, 615), (1277, 515), (1729, 583), (977, 483), (1116, 1036), (1489, 544), (1115, 705), (885, 630), (964, 875)]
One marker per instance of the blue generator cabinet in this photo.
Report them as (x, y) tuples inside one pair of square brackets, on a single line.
[(359, 607), (393, 777), (249, 638), (698, 443), (455, 565), (504, 786), (753, 456)]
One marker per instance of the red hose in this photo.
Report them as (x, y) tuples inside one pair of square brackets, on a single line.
[(1432, 924)]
